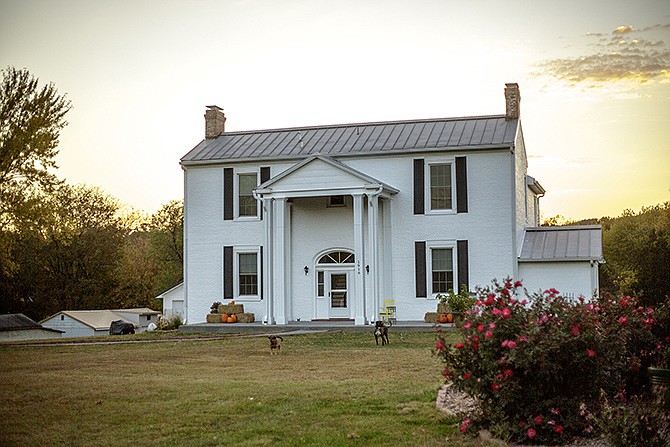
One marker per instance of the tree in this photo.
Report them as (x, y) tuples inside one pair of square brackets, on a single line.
[(31, 119), (167, 244)]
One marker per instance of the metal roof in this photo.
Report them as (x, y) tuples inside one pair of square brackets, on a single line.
[(569, 243), (483, 132), (14, 322)]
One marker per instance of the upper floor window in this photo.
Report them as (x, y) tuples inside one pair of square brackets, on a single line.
[(247, 205), (337, 257), (336, 201), (440, 187)]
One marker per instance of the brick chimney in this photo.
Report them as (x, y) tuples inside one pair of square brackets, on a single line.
[(215, 122), (512, 101)]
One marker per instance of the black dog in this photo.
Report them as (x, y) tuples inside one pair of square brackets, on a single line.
[(382, 331), (275, 346)]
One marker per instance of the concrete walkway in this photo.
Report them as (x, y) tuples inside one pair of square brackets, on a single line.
[(301, 326)]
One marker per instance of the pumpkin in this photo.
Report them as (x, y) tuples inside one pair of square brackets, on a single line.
[(224, 318), (230, 320), (450, 318), (234, 317), (232, 302), (443, 318)]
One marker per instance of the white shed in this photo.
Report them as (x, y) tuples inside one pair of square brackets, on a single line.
[(173, 301), (19, 327)]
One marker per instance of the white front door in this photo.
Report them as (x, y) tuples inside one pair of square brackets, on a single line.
[(338, 294)]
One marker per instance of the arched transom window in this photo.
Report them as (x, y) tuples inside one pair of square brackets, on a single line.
[(337, 257)]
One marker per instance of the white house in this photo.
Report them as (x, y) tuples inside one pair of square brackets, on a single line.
[(320, 223), (85, 323), (173, 301)]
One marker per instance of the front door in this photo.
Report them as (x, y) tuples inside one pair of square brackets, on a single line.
[(338, 294)]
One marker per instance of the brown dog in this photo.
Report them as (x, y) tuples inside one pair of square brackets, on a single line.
[(382, 331), (275, 345)]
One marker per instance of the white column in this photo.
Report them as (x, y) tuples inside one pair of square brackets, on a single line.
[(359, 272), (279, 271), (372, 259), (386, 257), (268, 256)]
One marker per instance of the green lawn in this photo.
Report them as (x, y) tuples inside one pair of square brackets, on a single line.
[(331, 389)]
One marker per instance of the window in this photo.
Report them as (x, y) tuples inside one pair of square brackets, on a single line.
[(248, 273), (440, 187), (320, 283), (442, 267), (336, 201), (247, 205), (337, 257), (148, 317)]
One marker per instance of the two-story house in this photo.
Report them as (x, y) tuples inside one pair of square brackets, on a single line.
[(319, 223)]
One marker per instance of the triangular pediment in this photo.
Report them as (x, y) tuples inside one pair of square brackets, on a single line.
[(320, 175)]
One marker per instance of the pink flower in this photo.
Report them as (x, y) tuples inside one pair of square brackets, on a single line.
[(492, 325), (591, 353), (496, 311), (559, 429), (495, 386), (467, 375), (490, 299), (508, 373), (439, 345), (538, 419), (555, 411), (459, 345), (509, 344), (517, 284), (524, 302), (488, 334), (467, 325), (464, 425), (551, 422), (506, 313), (446, 373), (522, 424), (531, 433), (575, 330), (505, 292), (508, 284), (480, 328), (623, 320)]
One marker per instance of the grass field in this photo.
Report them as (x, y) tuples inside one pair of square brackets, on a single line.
[(329, 389)]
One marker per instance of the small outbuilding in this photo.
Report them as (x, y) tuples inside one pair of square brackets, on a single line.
[(173, 301), (86, 323), (19, 327)]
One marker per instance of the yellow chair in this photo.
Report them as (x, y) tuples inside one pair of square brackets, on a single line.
[(388, 312)]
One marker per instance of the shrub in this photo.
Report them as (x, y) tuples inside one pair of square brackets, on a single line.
[(171, 323), (536, 366), (639, 421)]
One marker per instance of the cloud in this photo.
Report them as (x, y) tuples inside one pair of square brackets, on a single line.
[(623, 57), (623, 30)]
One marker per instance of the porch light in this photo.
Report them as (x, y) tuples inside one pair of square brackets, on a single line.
[(306, 270), (367, 269)]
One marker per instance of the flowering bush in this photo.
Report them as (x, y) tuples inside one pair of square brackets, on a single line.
[(536, 365)]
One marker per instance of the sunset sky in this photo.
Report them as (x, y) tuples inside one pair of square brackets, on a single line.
[(594, 79)]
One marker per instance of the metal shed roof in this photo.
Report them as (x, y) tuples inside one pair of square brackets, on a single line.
[(355, 139), (570, 243)]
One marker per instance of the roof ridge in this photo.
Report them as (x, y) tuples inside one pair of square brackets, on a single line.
[(362, 124)]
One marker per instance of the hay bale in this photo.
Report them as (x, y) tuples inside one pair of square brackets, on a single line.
[(430, 317), (231, 309), (214, 318), (246, 318)]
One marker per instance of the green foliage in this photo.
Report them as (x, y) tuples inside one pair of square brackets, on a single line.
[(168, 324), (537, 369), (460, 302), (640, 421), (215, 306)]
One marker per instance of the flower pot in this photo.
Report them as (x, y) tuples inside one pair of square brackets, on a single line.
[(659, 376)]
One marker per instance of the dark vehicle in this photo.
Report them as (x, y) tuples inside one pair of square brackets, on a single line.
[(120, 327)]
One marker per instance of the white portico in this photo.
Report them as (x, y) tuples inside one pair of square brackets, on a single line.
[(328, 259)]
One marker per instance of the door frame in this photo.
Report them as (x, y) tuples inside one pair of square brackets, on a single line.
[(338, 312)]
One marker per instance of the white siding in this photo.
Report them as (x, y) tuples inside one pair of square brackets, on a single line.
[(487, 226), (569, 278), (28, 334), (72, 327)]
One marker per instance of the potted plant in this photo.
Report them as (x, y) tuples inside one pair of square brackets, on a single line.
[(461, 302), (214, 308)]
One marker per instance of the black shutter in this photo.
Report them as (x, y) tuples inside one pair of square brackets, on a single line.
[(420, 268), (419, 189), (461, 185), (462, 253), (265, 174), (228, 272), (260, 280), (227, 193)]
